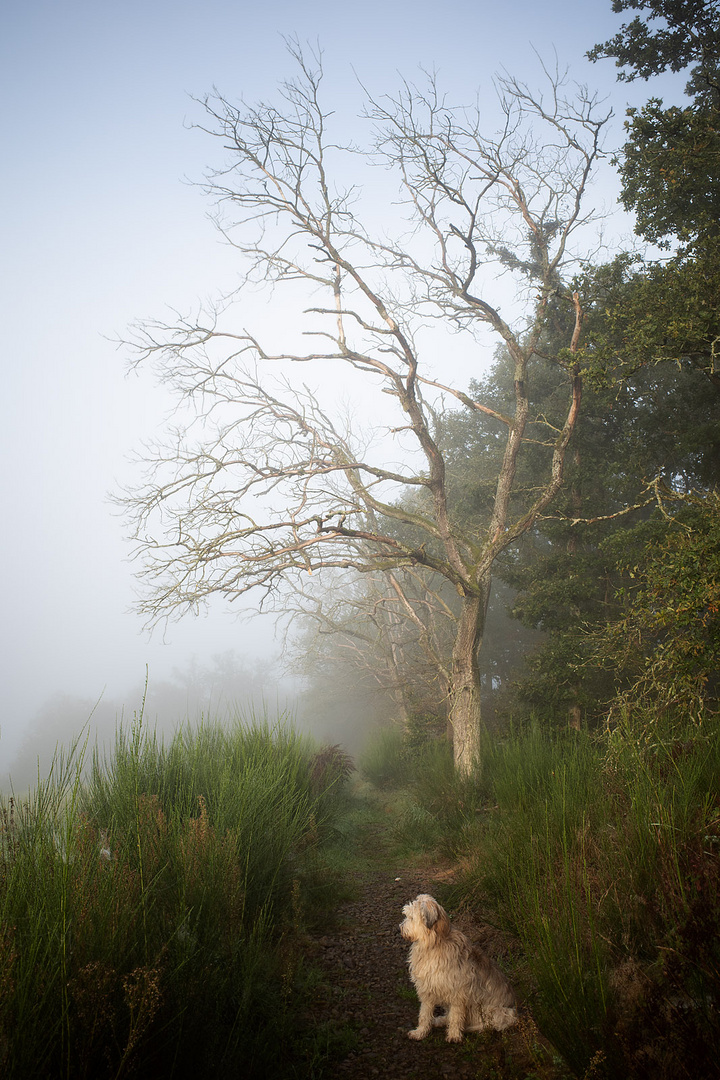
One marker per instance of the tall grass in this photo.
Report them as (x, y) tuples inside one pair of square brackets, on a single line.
[(601, 859), (385, 760), (432, 807), (599, 856), (531, 872), (147, 914)]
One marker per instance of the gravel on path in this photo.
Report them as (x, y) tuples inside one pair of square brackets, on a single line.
[(367, 989)]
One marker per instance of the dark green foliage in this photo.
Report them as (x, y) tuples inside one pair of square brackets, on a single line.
[(661, 421), (670, 172), (671, 159), (667, 637), (688, 34), (651, 416), (651, 410), (647, 313)]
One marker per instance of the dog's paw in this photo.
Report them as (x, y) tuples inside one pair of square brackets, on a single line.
[(417, 1033), (454, 1036)]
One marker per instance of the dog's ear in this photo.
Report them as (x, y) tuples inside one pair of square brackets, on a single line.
[(433, 915), (430, 910)]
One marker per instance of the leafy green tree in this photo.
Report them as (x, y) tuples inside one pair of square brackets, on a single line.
[(669, 168), (669, 164), (649, 312), (666, 639), (659, 424), (653, 415), (688, 34)]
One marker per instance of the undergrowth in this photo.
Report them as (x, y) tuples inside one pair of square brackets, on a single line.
[(599, 858), (151, 915)]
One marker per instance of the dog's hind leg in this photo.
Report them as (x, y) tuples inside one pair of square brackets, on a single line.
[(499, 1019), (425, 1020)]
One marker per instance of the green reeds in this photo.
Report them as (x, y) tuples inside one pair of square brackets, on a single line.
[(147, 913), (599, 856)]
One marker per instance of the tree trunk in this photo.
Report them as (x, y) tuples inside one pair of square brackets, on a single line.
[(574, 714), (464, 690)]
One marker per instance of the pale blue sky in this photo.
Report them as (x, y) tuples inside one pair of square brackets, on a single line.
[(99, 229)]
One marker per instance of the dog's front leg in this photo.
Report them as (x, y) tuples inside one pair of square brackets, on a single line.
[(455, 1022), (425, 1020)]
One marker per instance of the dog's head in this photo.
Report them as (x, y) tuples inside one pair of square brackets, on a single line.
[(425, 920)]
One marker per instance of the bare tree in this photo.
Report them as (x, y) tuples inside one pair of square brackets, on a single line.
[(261, 486)]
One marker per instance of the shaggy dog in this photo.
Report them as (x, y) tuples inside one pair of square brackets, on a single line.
[(449, 971)]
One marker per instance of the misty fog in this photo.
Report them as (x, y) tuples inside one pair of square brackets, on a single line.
[(102, 230), (228, 689)]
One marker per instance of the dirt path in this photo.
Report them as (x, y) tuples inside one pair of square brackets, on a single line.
[(367, 990)]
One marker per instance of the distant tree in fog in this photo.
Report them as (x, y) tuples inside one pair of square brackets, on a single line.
[(388, 634), (388, 641)]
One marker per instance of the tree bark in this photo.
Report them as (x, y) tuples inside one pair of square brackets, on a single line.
[(464, 690)]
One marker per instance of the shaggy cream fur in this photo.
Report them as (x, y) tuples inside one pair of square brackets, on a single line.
[(450, 972)]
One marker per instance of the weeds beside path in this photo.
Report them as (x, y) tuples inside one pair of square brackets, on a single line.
[(228, 904), (366, 991)]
